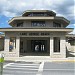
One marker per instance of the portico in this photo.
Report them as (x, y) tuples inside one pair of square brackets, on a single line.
[(30, 44)]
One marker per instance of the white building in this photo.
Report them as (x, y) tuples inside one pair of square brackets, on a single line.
[(36, 33)]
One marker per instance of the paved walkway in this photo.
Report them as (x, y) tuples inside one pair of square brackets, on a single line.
[(21, 68)]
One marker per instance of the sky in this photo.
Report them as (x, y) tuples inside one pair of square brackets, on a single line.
[(12, 8)]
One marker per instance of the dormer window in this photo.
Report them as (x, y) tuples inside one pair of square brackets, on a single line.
[(38, 14), (20, 24), (38, 23), (55, 24)]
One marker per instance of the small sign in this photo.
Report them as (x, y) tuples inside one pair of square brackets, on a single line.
[(35, 34)]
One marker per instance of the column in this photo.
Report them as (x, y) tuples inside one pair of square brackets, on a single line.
[(51, 46), (6, 44), (63, 46), (17, 45), (14, 43)]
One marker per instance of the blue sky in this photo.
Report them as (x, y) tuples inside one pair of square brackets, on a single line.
[(12, 8)]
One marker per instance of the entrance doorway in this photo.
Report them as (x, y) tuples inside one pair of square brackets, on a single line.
[(38, 45)]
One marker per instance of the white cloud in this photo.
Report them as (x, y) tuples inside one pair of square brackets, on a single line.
[(11, 8), (16, 7)]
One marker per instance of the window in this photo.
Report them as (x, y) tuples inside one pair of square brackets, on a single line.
[(38, 14), (56, 24), (38, 23), (12, 43), (56, 44), (43, 34), (20, 24)]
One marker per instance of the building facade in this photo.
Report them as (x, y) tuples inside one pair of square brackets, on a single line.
[(36, 33)]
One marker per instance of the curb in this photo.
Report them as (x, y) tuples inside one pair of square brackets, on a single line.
[(64, 61), (73, 61)]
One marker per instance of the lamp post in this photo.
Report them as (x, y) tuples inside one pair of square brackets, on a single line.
[(1, 63)]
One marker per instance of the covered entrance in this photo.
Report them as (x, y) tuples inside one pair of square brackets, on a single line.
[(34, 46)]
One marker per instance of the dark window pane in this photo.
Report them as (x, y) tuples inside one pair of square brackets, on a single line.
[(56, 24), (20, 24), (38, 23), (12, 43), (56, 44)]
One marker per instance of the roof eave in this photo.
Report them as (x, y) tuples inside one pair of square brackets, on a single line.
[(37, 29), (62, 19), (29, 11)]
